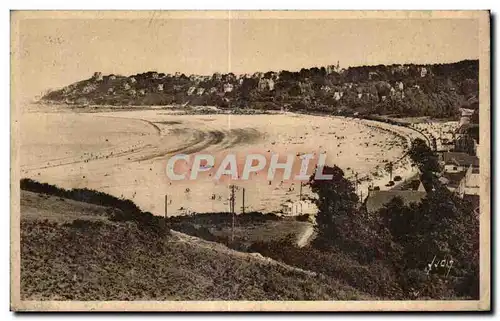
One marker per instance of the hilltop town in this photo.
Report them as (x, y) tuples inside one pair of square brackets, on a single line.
[(435, 90)]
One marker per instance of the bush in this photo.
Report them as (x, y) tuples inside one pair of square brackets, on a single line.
[(397, 178), (303, 218), (376, 278), (84, 224), (224, 218), (122, 209)]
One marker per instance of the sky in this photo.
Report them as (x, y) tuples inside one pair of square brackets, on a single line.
[(56, 52)]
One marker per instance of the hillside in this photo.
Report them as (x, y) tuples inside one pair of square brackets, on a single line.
[(71, 250), (436, 90)]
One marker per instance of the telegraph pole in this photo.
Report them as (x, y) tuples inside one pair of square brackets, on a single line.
[(300, 192), (166, 206), (232, 213), (356, 182), (165, 218), (243, 200), (231, 195)]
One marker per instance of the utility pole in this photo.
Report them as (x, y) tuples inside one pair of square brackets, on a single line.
[(232, 213), (356, 182), (164, 225), (300, 192), (243, 200), (230, 199), (166, 206)]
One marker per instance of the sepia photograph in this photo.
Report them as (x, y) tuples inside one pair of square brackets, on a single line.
[(250, 161)]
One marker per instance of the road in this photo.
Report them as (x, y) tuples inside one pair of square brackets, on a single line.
[(306, 237)]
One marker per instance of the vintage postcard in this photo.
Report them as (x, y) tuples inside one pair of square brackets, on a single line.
[(250, 161)]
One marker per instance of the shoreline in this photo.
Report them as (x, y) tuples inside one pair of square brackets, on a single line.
[(367, 179)]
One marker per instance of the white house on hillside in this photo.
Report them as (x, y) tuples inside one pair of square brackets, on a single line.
[(299, 208)]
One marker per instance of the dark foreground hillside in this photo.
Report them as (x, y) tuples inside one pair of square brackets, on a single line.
[(435, 90), (71, 250)]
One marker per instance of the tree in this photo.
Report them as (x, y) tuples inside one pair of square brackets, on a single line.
[(337, 202), (441, 226), (423, 156)]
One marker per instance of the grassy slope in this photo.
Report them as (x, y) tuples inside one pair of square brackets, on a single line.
[(62, 259)]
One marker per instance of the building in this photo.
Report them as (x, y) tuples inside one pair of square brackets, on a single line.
[(299, 208), (200, 91), (461, 173), (330, 69), (472, 181), (444, 144), (258, 75), (326, 88), (89, 88), (377, 199), (412, 184), (97, 76), (455, 162), (228, 87), (266, 84), (191, 90), (466, 115), (373, 75), (230, 77), (423, 72), (454, 181)]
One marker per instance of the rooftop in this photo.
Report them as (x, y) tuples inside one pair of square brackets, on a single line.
[(377, 199), (454, 179), (461, 159)]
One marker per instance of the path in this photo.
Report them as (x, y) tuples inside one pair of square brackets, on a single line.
[(306, 237)]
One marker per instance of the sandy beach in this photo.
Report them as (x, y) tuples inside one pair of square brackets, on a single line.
[(124, 153)]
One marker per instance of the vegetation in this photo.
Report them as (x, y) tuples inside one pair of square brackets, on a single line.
[(120, 209), (423, 156), (334, 196), (389, 167), (121, 262), (385, 254), (406, 90), (102, 258), (247, 229), (395, 245), (427, 162)]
